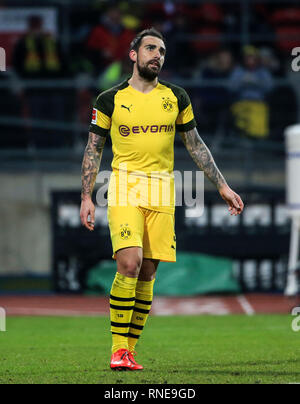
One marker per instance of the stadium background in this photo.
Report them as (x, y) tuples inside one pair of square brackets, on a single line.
[(234, 59), (45, 113)]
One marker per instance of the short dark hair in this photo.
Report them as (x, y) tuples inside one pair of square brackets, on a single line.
[(136, 43)]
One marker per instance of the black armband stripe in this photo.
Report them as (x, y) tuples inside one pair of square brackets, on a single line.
[(99, 131), (187, 126)]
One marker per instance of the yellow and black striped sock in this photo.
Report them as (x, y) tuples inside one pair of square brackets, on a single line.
[(143, 302), (122, 298)]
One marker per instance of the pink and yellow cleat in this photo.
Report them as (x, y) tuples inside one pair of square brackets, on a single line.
[(136, 366), (124, 360)]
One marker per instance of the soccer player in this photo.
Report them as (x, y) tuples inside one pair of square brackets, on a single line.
[(142, 115)]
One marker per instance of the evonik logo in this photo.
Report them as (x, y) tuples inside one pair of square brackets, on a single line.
[(2, 60), (126, 130)]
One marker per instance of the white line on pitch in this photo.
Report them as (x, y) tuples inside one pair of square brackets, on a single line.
[(246, 306)]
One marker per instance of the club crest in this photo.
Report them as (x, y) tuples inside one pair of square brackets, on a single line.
[(168, 105), (125, 232)]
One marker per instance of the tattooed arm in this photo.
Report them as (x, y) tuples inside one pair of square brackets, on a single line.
[(90, 168), (202, 157), (205, 161)]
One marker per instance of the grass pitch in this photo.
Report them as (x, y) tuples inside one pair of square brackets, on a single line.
[(180, 349)]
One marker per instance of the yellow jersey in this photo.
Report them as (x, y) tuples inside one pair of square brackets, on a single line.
[(142, 129)]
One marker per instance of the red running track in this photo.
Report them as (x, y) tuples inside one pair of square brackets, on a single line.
[(95, 306)]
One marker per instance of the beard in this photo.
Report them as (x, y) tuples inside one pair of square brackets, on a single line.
[(146, 72)]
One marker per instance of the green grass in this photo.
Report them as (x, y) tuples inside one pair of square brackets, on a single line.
[(181, 349)]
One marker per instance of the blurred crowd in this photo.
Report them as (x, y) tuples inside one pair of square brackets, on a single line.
[(204, 44), (101, 36)]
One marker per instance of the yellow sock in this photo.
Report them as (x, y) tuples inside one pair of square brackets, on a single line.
[(122, 298), (143, 302)]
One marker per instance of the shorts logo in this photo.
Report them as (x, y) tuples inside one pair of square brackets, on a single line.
[(168, 105), (94, 116), (125, 232)]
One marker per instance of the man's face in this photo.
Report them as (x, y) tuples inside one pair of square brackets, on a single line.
[(150, 57), (251, 61)]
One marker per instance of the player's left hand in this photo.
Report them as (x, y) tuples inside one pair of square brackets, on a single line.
[(233, 200)]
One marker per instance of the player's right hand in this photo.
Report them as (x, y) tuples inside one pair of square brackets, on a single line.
[(233, 200), (87, 214)]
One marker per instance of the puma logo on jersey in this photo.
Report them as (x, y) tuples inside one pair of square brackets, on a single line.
[(124, 106)]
